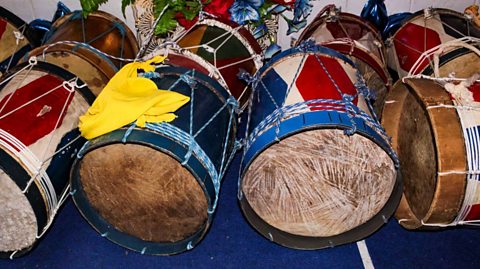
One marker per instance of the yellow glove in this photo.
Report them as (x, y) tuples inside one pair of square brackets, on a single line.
[(128, 98)]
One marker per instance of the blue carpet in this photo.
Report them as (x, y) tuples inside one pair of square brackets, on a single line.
[(232, 243)]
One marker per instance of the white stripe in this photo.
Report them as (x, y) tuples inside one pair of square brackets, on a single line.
[(366, 259)]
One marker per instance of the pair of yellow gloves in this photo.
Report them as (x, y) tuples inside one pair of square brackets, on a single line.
[(128, 98)]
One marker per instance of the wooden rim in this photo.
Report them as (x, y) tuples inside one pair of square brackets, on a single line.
[(449, 149)]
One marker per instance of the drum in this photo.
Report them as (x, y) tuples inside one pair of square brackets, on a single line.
[(39, 109), (229, 47), (154, 190), (14, 42), (359, 40), (100, 30), (423, 31), (318, 170), (436, 136)]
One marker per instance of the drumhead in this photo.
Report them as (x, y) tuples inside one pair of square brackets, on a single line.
[(319, 183), (18, 228), (143, 192)]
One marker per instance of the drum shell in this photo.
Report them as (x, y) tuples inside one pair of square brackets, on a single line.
[(8, 47), (58, 168), (210, 97), (101, 30), (316, 119), (352, 40)]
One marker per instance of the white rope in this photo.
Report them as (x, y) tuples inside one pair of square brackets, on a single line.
[(35, 166)]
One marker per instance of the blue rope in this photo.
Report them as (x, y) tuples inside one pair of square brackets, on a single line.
[(128, 132)]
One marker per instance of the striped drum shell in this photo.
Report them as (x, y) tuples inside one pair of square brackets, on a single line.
[(318, 170), (38, 141)]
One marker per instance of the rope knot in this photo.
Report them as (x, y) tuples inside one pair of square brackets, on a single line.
[(18, 36), (306, 45), (190, 80)]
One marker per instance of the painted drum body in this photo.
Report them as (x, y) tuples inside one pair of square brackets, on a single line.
[(100, 30), (38, 141), (154, 190), (436, 138), (309, 125), (229, 47), (14, 43), (356, 38), (422, 31)]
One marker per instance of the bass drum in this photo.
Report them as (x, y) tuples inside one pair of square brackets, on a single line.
[(318, 170), (155, 189), (357, 39), (39, 109)]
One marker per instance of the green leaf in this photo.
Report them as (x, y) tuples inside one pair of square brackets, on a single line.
[(88, 6), (166, 23), (125, 3)]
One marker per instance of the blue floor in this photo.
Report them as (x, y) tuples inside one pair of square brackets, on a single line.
[(232, 243)]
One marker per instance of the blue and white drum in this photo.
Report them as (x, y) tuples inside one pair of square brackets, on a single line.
[(155, 189), (318, 169)]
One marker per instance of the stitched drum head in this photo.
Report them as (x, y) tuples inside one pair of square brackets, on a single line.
[(18, 224), (143, 192), (319, 183)]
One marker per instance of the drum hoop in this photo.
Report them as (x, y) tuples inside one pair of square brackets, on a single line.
[(435, 211), (100, 62)]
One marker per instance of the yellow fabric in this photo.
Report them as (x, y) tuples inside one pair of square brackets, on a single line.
[(128, 98)]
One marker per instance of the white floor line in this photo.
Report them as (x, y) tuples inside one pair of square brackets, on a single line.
[(366, 259)]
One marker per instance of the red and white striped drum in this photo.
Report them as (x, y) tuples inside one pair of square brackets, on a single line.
[(39, 109), (423, 31), (359, 40)]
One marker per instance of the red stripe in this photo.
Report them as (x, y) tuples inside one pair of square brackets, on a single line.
[(411, 41), (314, 83), (24, 124), (474, 213), (3, 27)]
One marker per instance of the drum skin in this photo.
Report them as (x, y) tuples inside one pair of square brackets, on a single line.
[(169, 205), (419, 34), (359, 40), (43, 135), (101, 30), (237, 50), (291, 187), (9, 23)]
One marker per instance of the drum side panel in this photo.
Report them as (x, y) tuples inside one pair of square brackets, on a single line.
[(143, 192), (8, 42), (319, 183), (18, 224)]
